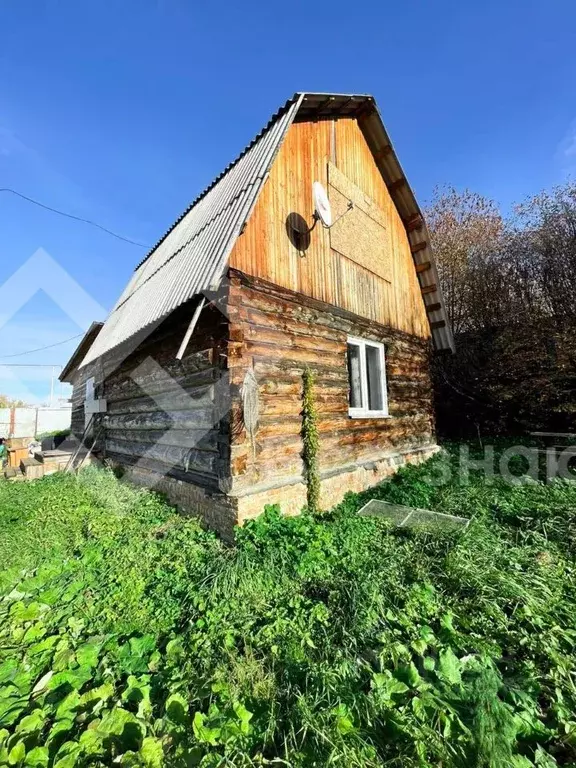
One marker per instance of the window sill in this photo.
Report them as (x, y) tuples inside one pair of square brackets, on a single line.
[(357, 414)]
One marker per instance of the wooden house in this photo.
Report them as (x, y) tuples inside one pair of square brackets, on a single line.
[(194, 383)]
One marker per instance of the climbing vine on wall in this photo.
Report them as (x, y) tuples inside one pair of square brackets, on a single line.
[(310, 440)]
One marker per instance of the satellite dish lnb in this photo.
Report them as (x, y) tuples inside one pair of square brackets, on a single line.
[(322, 207)]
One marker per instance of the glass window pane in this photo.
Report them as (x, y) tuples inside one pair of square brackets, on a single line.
[(374, 374), (354, 376)]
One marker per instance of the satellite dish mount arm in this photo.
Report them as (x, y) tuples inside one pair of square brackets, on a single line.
[(316, 216)]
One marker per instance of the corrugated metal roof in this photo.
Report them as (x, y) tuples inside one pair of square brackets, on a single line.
[(79, 353), (192, 255)]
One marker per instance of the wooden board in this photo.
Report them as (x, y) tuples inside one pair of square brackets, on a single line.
[(266, 251), (358, 234)]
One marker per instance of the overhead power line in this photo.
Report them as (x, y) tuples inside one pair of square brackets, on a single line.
[(71, 216), (39, 349)]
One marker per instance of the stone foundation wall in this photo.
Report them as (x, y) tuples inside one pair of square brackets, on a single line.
[(222, 513), (292, 497)]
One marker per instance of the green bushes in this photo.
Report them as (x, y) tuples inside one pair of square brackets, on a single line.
[(128, 635)]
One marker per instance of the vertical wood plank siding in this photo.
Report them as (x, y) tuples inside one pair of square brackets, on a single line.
[(264, 250), (280, 333)]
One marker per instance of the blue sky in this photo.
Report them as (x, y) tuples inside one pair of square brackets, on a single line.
[(123, 112)]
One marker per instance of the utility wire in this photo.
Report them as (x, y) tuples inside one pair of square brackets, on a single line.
[(71, 216), (39, 349)]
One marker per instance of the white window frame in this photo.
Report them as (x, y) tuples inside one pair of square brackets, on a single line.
[(365, 412)]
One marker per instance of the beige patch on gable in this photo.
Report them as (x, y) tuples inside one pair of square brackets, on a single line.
[(360, 235)]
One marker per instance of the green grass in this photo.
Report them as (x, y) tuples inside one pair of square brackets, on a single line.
[(130, 636)]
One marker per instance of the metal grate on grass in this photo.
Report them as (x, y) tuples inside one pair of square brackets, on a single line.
[(411, 517)]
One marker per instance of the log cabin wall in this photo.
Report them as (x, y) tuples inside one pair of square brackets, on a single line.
[(388, 292), (167, 415), (78, 395), (279, 333), (167, 420)]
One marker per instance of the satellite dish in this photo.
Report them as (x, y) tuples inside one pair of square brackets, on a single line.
[(322, 204)]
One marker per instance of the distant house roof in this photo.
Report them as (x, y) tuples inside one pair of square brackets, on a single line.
[(192, 256), (80, 352)]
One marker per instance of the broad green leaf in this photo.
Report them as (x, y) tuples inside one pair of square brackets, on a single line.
[(76, 678), (418, 708), (244, 716), (411, 674), (34, 633), (11, 709), (69, 705), (152, 753), (68, 754), (124, 725), (8, 692), (87, 654), (8, 669), (44, 645), (344, 722), (419, 646), (60, 727), (177, 708), (32, 723), (17, 754), (174, 649), (449, 667), (396, 686), (203, 733), (91, 742), (446, 622), (97, 696), (37, 757)]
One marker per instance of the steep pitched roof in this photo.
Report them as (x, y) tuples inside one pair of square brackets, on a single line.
[(193, 254), (80, 352)]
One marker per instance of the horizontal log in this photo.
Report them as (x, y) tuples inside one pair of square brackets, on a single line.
[(294, 386), (438, 324), (123, 387), (424, 267), (272, 352), (171, 400), (433, 307), (202, 418), (203, 479), (287, 339), (286, 404), (261, 318), (202, 439), (417, 247), (425, 289), (186, 458), (265, 368), (163, 350)]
